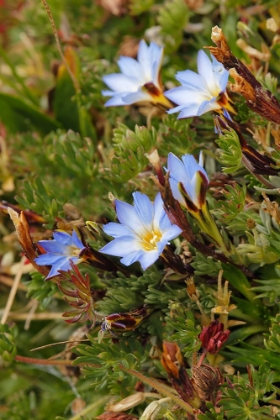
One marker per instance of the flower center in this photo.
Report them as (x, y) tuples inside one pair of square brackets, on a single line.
[(150, 240), (73, 251)]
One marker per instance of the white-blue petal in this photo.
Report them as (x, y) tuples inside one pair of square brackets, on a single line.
[(189, 111), (128, 216), (188, 101), (145, 60), (117, 230), (76, 240), (175, 191), (131, 68), (205, 68), (49, 259), (120, 83), (207, 106), (171, 233), (131, 258), (148, 258), (63, 237), (121, 247), (144, 208), (53, 246), (191, 80), (176, 168), (116, 100), (139, 96), (159, 213)]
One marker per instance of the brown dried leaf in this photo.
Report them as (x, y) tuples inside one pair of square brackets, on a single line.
[(24, 238), (258, 99)]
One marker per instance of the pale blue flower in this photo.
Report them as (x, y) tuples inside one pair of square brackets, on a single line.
[(60, 251), (188, 181), (202, 92), (143, 232), (139, 79)]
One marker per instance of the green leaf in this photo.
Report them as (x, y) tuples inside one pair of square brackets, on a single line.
[(230, 155), (18, 115)]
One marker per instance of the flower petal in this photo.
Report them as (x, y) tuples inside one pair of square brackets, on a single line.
[(160, 223), (117, 230), (120, 83), (121, 247), (205, 69), (131, 68), (191, 80), (53, 246), (171, 233), (176, 168), (131, 258), (128, 216), (148, 258), (144, 208), (140, 96), (116, 100), (63, 237), (48, 259)]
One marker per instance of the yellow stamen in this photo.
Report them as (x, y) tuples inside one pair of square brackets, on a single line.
[(150, 240)]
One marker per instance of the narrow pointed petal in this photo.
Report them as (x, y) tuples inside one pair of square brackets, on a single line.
[(147, 259), (117, 230), (121, 247), (120, 83), (143, 207), (173, 232), (131, 68), (116, 100), (176, 167), (63, 238), (140, 96), (53, 246), (128, 216), (205, 69)]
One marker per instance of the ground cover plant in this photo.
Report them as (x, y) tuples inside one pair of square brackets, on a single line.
[(140, 220)]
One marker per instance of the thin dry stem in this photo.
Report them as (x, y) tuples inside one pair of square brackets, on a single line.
[(48, 10), (36, 317), (13, 292)]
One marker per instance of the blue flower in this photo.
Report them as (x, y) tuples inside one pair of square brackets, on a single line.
[(202, 92), (143, 232), (60, 251), (188, 181), (139, 80)]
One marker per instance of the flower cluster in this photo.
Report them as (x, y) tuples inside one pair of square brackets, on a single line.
[(140, 81)]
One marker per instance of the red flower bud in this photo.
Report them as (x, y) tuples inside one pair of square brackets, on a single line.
[(213, 337)]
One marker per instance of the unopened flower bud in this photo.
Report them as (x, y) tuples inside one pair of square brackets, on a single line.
[(213, 337)]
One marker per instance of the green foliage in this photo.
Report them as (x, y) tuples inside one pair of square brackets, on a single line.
[(8, 348), (173, 17), (232, 204), (137, 8), (230, 155), (41, 290), (130, 148), (243, 400), (20, 116), (66, 176), (180, 328), (272, 343), (211, 414), (204, 265), (107, 359)]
